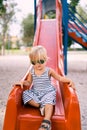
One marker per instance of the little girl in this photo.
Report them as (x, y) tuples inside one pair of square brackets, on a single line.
[(42, 94)]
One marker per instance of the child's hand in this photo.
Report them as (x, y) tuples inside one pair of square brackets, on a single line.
[(20, 83), (71, 84), (24, 84)]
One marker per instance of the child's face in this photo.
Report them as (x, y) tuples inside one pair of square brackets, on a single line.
[(39, 63), (39, 66)]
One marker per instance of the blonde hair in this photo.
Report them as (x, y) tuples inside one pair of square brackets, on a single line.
[(37, 53)]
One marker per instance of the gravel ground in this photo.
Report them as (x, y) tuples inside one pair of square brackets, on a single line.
[(13, 68)]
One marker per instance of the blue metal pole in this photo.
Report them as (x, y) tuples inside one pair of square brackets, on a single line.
[(65, 31), (35, 15)]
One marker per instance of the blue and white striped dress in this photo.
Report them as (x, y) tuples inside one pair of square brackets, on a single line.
[(42, 91)]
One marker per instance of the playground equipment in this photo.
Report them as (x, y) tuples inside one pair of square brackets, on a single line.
[(76, 29), (66, 112)]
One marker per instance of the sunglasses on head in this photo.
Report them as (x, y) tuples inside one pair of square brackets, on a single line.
[(38, 61)]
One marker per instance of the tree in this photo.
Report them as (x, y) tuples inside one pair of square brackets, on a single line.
[(6, 19), (74, 3), (2, 7), (28, 29), (83, 13)]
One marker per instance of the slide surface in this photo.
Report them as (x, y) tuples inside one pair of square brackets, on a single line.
[(47, 38)]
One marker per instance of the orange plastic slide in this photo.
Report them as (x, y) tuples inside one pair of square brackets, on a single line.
[(66, 112)]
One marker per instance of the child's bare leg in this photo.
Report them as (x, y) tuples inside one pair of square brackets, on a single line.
[(48, 111), (47, 118), (33, 103)]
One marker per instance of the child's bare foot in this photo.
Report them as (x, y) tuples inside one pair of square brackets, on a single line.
[(42, 109)]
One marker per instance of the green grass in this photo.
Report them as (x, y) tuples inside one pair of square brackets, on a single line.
[(16, 52)]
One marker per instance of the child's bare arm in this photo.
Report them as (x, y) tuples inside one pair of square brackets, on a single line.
[(25, 83), (62, 78), (68, 81), (28, 81)]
